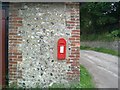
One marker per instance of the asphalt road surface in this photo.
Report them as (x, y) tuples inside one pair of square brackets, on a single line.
[(102, 67)]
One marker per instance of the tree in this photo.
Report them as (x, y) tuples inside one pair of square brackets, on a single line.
[(99, 17)]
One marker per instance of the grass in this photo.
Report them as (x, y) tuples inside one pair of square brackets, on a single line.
[(100, 49), (85, 78)]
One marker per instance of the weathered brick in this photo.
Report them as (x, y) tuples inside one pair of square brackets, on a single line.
[(19, 56), (75, 64), (16, 19), (13, 33), (76, 30), (71, 38), (70, 27), (12, 27), (77, 33), (11, 57), (75, 36), (75, 42), (69, 22)]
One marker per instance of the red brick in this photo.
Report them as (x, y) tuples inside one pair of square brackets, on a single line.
[(13, 64), (70, 27), (17, 53), (11, 48), (74, 13), (69, 22), (19, 56), (78, 22), (71, 56), (16, 24), (11, 57), (76, 36), (73, 19), (72, 38), (16, 19), (17, 42), (13, 33), (74, 58), (75, 42), (68, 61), (75, 63), (12, 22), (12, 73), (76, 30), (13, 51), (19, 59), (13, 39), (74, 72), (75, 47), (69, 78), (78, 33), (76, 53), (12, 70), (18, 37), (70, 72)]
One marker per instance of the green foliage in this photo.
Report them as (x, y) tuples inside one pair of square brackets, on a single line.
[(112, 36), (99, 17), (115, 34), (100, 49)]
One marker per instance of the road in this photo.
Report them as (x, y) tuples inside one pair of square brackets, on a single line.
[(102, 67)]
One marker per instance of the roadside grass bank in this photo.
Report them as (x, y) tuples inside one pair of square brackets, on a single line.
[(86, 80), (100, 49)]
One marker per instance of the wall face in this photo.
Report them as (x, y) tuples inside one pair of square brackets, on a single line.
[(34, 31)]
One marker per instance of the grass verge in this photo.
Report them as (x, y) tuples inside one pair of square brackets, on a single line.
[(85, 78), (100, 49)]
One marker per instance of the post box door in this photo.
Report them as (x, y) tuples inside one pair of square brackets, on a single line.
[(61, 49)]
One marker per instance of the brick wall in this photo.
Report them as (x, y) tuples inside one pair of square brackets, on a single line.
[(17, 28), (73, 24), (15, 55)]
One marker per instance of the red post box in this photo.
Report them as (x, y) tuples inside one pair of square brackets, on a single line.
[(61, 49)]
